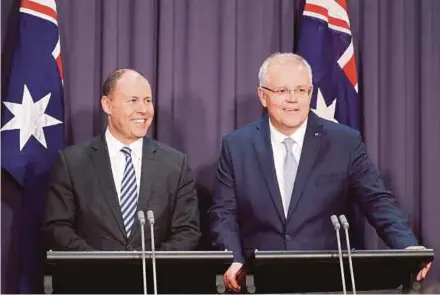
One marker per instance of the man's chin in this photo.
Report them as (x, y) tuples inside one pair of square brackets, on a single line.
[(293, 124), (140, 134)]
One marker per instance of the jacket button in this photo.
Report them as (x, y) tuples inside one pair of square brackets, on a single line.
[(287, 237), (129, 248)]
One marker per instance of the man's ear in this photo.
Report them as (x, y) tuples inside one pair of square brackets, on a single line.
[(262, 96), (105, 103)]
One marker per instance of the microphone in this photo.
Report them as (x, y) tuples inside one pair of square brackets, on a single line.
[(150, 216), (141, 218), (344, 223), (337, 226)]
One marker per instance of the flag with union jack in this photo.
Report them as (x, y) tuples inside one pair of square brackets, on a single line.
[(32, 129), (326, 42)]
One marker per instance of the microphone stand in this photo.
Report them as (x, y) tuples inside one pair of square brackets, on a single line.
[(337, 226), (345, 225), (150, 216), (141, 217)]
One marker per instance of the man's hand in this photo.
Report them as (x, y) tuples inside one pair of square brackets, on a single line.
[(230, 277), (424, 271)]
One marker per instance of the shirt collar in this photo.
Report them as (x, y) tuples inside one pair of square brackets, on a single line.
[(115, 146), (297, 136)]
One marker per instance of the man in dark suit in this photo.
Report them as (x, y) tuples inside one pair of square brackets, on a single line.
[(97, 187), (279, 179)]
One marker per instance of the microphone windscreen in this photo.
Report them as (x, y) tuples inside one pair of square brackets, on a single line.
[(141, 215), (335, 222), (150, 215)]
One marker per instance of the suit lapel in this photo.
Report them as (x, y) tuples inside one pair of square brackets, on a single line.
[(149, 170), (264, 152), (313, 140), (104, 173)]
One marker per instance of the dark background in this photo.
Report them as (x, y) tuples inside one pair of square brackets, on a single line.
[(202, 59)]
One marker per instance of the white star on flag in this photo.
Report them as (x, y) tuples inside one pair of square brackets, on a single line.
[(324, 111), (30, 118)]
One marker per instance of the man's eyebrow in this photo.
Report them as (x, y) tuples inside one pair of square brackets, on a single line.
[(146, 97)]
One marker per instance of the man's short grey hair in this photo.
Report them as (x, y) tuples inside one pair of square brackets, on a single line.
[(281, 58)]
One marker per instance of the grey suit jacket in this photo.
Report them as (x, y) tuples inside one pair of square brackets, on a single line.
[(83, 211)]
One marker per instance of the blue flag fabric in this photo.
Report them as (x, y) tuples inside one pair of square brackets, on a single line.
[(32, 129), (325, 41)]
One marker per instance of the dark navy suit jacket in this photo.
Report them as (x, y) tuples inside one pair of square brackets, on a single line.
[(334, 171)]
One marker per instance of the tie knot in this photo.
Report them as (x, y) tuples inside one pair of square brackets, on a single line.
[(126, 151), (288, 143)]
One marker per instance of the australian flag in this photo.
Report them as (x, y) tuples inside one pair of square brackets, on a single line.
[(32, 129), (325, 41)]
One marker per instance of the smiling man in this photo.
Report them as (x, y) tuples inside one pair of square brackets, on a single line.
[(97, 187), (279, 179)]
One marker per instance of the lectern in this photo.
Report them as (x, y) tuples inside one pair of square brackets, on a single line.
[(200, 272), (275, 272), (192, 272)]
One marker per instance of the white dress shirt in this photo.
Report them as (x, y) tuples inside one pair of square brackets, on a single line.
[(279, 153), (117, 160)]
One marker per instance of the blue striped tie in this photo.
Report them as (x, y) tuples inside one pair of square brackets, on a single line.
[(128, 192)]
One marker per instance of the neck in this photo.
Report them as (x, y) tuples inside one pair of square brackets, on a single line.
[(119, 137), (284, 130)]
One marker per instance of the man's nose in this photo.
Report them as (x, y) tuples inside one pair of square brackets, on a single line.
[(291, 96), (142, 107)]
